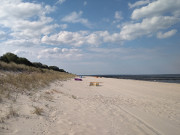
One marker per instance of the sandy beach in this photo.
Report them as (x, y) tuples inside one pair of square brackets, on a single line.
[(116, 107)]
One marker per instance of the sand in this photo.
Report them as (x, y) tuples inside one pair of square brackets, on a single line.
[(116, 107)]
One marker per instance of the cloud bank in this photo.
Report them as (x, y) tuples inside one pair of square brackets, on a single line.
[(29, 24), (25, 21), (148, 20)]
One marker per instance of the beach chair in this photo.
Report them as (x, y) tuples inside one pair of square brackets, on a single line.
[(94, 84)]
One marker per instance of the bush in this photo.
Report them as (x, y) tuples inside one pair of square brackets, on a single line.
[(37, 64), (55, 68), (24, 61), (9, 57), (40, 65), (12, 58)]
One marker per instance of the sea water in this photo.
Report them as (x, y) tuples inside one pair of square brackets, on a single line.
[(170, 78)]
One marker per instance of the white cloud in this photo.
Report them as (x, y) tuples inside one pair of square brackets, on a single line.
[(148, 20), (147, 27), (166, 34), (58, 53), (118, 15), (75, 17), (159, 7), (81, 38), (61, 1), (26, 53), (138, 3), (85, 3), (22, 42), (26, 20), (65, 37), (17, 9), (28, 24), (71, 38), (26, 50)]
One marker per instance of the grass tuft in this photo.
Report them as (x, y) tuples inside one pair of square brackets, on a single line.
[(74, 97), (38, 110), (12, 112)]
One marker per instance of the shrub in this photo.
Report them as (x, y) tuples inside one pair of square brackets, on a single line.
[(24, 61), (9, 57), (55, 68), (12, 58), (40, 65)]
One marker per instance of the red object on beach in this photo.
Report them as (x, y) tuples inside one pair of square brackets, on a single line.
[(77, 79)]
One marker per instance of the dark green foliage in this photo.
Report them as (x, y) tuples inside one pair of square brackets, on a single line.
[(40, 65), (45, 66), (56, 69), (62, 70), (4, 59), (10, 57), (24, 61)]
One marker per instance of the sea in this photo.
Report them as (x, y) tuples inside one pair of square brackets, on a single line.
[(168, 78)]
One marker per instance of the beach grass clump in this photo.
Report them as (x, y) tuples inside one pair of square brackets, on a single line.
[(47, 96), (2, 119), (74, 97), (13, 67), (38, 110), (12, 112)]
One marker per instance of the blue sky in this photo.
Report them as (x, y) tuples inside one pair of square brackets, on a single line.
[(94, 36)]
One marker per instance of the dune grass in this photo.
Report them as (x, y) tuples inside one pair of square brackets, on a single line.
[(13, 67), (38, 110), (20, 78)]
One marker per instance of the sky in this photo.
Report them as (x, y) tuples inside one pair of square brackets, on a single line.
[(94, 36)]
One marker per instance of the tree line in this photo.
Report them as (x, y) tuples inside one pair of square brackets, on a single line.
[(10, 57)]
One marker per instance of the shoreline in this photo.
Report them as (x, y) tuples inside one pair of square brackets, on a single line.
[(165, 78), (116, 106)]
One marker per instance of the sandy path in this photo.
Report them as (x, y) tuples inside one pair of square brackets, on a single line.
[(114, 108)]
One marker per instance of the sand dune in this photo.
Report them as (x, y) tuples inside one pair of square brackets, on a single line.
[(116, 107)]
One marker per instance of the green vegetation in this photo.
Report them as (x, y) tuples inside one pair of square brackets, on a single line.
[(23, 77), (10, 57)]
